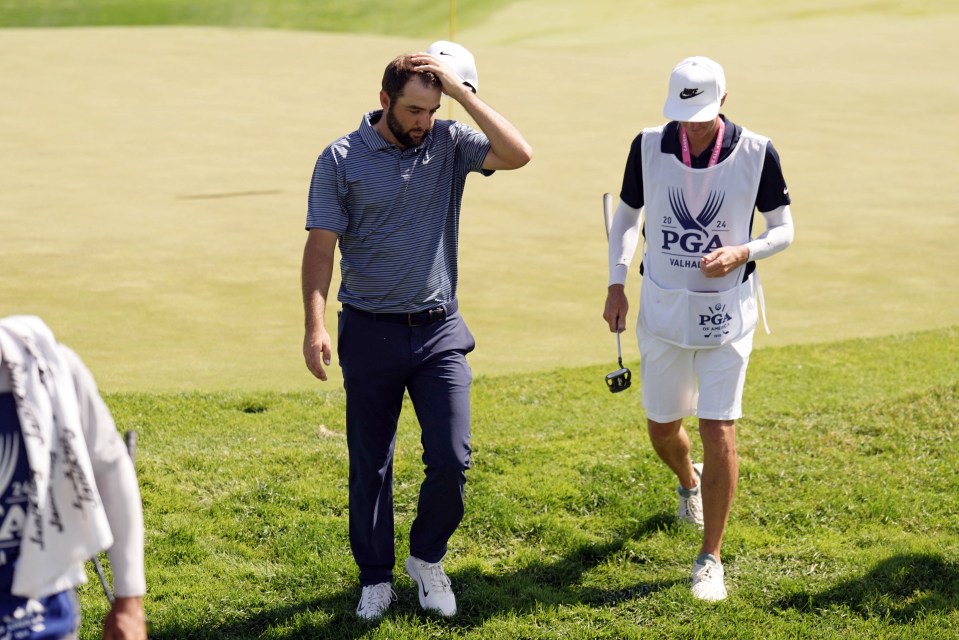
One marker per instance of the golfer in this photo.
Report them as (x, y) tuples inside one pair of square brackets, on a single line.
[(389, 194), (67, 491), (699, 177)]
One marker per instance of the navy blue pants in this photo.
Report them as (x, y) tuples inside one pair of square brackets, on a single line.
[(381, 361)]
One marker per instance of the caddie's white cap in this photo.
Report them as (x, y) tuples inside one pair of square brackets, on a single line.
[(459, 58), (696, 89)]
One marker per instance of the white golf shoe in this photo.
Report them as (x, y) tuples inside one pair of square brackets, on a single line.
[(708, 582), (432, 585), (691, 500), (375, 600)]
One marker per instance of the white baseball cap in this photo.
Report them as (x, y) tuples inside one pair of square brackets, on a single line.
[(459, 58), (696, 89)]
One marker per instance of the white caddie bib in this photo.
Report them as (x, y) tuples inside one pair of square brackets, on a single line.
[(690, 213)]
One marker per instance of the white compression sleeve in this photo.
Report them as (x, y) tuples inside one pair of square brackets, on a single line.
[(778, 234), (623, 240), (121, 500), (116, 482)]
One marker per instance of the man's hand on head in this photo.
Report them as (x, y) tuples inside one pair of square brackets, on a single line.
[(452, 83)]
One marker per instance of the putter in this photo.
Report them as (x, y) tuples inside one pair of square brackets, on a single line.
[(620, 379)]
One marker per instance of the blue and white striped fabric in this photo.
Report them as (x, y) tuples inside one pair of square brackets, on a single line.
[(396, 213)]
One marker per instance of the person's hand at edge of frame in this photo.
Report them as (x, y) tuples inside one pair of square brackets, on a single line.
[(126, 620)]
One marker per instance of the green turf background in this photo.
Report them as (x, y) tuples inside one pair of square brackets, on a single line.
[(845, 525), (153, 180)]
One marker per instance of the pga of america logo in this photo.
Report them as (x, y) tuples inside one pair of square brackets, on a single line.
[(695, 238), (715, 322)]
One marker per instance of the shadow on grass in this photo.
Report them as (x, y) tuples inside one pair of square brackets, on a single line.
[(900, 588), (480, 597)]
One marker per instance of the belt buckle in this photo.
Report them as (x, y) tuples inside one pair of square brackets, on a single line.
[(436, 315), (432, 315)]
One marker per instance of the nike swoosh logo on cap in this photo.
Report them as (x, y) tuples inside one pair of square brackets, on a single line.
[(443, 53), (686, 94)]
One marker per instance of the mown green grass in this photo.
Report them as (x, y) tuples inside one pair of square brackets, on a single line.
[(409, 17), (846, 523)]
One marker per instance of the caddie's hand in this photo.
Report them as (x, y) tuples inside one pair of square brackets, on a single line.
[(126, 620), (317, 352), (723, 260), (616, 308), (452, 83)]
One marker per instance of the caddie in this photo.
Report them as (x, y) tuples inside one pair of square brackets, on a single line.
[(68, 490), (698, 179)]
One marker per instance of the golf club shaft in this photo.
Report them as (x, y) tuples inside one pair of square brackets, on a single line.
[(607, 213), (107, 591), (130, 439), (607, 224), (619, 351)]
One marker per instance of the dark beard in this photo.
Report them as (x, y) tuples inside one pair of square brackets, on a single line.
[(403, 137)]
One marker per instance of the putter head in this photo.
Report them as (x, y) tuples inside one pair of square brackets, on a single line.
[(619, 380)]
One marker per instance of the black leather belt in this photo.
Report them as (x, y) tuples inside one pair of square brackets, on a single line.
[(415, 319)]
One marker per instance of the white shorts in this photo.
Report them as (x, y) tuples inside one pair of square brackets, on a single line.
[(679, 382)]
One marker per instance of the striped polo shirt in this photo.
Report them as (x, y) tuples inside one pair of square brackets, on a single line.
[(396, 213)]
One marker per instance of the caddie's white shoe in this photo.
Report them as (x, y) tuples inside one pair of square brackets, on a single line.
[(375, 600), (432, 585), (691, 500), (708, 582)]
